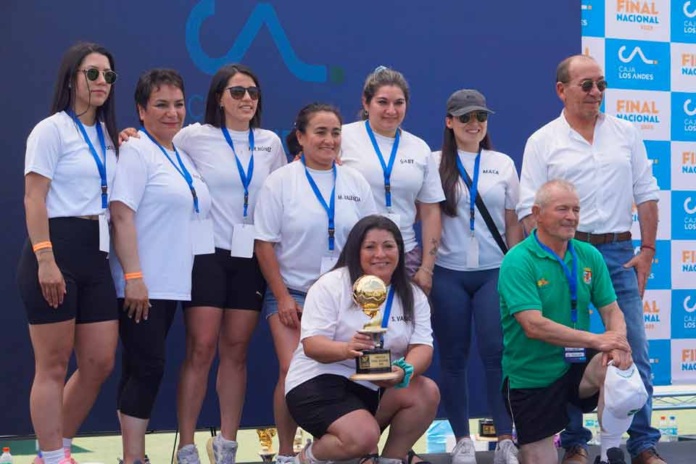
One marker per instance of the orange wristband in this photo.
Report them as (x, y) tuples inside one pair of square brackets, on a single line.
[(133, 275), (42, 246)]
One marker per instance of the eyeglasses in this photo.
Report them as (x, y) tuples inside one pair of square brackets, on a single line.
[(481, 116), (92, 74), (587, 85), (237, 92)]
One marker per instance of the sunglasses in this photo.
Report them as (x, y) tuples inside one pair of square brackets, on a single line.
[(237, 92), (481, 116), (92, 74), (587, 85)]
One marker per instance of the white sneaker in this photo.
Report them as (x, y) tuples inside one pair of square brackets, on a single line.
[(280, 459), (505, 453), (464, 452), (221, 451), (188, 455)]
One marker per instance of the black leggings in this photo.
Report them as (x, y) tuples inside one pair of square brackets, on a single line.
[(143, 358)]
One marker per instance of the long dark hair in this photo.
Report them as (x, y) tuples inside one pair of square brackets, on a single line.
[(350, 258), (66, 84), (300, 125), (214, 113), (449, 174)]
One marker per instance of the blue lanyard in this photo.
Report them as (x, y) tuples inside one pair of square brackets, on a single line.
[(181, 168), (388, 308), (571, 276), (331, 207), (386, 168), (473, 190), (246, 178), (101, 166)]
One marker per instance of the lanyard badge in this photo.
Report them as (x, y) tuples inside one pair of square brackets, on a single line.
[(181, 168), (101, 166), (386, 167), (330, 208), (245, 177)]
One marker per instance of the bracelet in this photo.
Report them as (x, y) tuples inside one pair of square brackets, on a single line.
[(649, 247), (408, 372), (427, 271), (133, 275), (42, 246)]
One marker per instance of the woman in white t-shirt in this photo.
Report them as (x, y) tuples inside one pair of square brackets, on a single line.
[(303, 215), (346, 417), (63, 273), (234, 156), (159, 209), (399, 167), (465, 284)]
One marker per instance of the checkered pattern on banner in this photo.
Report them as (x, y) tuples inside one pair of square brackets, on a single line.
[(648, 49)]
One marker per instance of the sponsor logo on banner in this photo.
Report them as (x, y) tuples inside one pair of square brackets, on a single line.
[(684, 215), (594, 47), (263, 16), (664, 225), (683, 21), (648, 111), (656, 313), (660, 273), (683, 264), (638, 18), (683, 360), (592, 18), (683, 67), (683, 165), (684, 314), (684, 116), (659, 353), (660, 155), (633, 64)]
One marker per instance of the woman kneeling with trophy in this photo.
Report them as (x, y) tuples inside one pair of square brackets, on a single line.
[(365, 342)]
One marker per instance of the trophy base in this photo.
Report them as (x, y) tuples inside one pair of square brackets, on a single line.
[(377, 377), (266, 457)]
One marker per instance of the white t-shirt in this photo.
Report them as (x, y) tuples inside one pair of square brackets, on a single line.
[(57, 150), (149, 184), (414, 175), (499, 188), (290, 215), (214, 159), (329, 311)]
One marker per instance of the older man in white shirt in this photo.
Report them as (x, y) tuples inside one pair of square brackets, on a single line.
[(605, 158)]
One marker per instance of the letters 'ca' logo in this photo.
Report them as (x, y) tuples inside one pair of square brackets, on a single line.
[(263, 15), (687, 308), (687, 13), (687, 208), (688, 111), (636, 51)]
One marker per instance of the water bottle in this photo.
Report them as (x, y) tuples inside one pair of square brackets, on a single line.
[(436, 436), (6, 457), (662, 427), (597, 431), (673, 430), (590, 425)]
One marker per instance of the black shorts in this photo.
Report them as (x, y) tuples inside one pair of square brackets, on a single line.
[(319, 402), (90, 292), (222, 281), (540, 413)]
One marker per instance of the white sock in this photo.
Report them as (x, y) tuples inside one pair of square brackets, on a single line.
[(67, 443), (310, 456), (383, 460), (227, 442), (53, 457)]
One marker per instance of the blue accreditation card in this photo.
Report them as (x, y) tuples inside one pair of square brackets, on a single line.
[(575, 355)]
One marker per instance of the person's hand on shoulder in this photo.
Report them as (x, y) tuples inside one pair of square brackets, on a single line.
[(127, 133)]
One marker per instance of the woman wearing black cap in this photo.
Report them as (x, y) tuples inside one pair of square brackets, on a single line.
[(475, 179)]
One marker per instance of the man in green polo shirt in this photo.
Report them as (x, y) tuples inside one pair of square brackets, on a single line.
[(550, 358)]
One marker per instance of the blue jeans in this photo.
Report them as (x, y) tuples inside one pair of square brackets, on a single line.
[(270, 304), (462, 300), (641, 435)]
